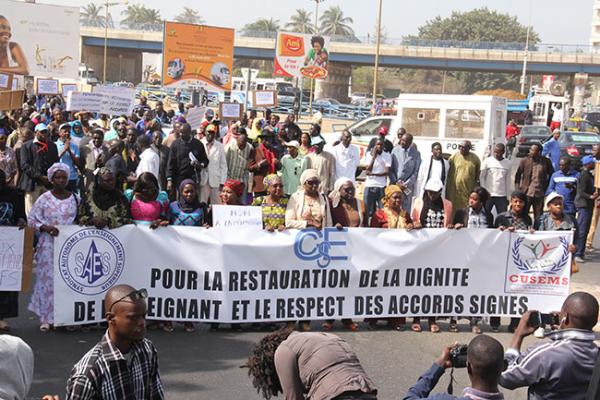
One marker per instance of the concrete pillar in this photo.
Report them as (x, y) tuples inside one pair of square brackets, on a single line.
[(579, 83), (336, 84)]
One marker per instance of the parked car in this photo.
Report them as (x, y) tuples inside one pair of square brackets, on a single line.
[(574, 145), (285, 95), (529, 135)]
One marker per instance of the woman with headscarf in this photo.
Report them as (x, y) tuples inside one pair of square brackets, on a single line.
[(55, 207), (188, 210), (77, 132), (104, 205), (274, 204), (113, 133), (431, 211), (308, 208), (346, 212), (305, 144), (147, 203), (256, 129), (232, 133), (12, 213)]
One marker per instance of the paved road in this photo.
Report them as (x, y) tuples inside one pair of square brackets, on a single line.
[(205, 365)]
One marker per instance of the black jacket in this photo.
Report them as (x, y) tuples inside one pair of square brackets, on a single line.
[(35, 164), (179, 166), (461, 216), (585, 190)]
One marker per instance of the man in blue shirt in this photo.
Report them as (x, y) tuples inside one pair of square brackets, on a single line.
[(551, 149), (68, 153), (564, 182), (485, 363)]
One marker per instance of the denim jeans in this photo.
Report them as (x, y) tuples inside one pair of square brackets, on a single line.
[(584, 217), (372, 198)]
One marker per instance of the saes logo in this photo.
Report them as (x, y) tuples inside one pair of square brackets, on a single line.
[(548, 256), (312, 244), (91, 261)]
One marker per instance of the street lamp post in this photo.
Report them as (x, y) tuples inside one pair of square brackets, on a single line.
[(524, 73), (316, 32), (106, 6), (377, 44)]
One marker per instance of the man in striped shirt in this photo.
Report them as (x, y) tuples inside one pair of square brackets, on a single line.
[(124, 364)]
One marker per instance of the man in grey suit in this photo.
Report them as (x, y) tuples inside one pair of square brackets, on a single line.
[(93, 155), (406, 161)]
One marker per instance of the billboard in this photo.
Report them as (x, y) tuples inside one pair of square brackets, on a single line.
[(39, 39), (301, 55), (197, 55)]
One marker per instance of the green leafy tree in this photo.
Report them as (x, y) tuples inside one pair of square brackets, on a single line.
[(138, 16), (261, 25), (190, 16), (301, 22), (93, 15), (480, 25), (333, 22)]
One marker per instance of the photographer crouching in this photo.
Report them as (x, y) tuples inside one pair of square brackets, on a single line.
[(484, 360), (562, 367)]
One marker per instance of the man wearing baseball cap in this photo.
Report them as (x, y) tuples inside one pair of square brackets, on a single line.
[(584, 201), (382, 132), (37, 156), (292, 166)]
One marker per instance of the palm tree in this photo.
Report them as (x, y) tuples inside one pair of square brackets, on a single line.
[(93, 15), (141, 17), (190, 16), (261, 25), (301, 22), (333, 22)]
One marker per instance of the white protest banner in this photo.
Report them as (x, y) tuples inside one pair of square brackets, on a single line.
[(120, 91), (46, 86), (43, 39), (250, 275), (117, 100), (236, 216), (264, 98), (103, 103), (195, 116), (11, 258)]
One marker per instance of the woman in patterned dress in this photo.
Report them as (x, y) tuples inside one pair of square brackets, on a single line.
[(55, 207), (12, 213), (273, 205), (104, 205)]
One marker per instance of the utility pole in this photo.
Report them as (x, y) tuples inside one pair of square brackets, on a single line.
[(377, 44), (312, 81)]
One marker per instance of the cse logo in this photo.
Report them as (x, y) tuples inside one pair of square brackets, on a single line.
[(312, 244)]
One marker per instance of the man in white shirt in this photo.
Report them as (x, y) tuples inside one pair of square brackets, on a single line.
[(347, 157), (495, 177), (149, 159), (216, 172), (378, 167), (433, 167)]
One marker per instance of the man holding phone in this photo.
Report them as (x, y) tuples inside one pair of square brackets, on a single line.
[(561, 368)]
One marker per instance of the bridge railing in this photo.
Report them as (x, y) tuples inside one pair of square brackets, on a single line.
[(406, 41)]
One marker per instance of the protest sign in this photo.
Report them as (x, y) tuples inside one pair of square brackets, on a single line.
[(15, 258), (66, 88), (46, 86), (11, 100), (103, 103), (6, 81), (264, 98), (195, 116), (301, 55), (250, 275), (236, 216), (230, 111), (44, 39), (197, 55)]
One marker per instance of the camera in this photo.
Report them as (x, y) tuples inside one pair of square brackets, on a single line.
[(458, 356)]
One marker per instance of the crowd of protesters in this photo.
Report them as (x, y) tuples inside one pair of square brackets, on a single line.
[(61, 168)]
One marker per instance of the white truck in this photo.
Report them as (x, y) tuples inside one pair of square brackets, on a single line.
[(448, 119)]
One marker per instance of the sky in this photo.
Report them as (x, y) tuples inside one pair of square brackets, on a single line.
[(556, 21)]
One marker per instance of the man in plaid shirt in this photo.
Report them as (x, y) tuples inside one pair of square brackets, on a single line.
[(124, 364)]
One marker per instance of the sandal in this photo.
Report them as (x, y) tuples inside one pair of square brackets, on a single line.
[(416, 327), (351, 326), (167, 327), (452, 328), (475, 329), (189, 327), (327, 326), (434, 328), (44, 328)]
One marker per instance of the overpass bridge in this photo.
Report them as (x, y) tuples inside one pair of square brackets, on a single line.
[(126, 45)]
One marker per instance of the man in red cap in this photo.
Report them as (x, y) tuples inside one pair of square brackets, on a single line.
[(382, 132)]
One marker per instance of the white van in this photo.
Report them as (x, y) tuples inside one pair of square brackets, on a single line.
[(448, 119)]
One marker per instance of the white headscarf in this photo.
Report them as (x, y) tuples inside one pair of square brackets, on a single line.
[(58, 167), (335, 195), (308, 174)]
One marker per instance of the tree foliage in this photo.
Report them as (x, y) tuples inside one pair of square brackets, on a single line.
[(333, 22), (138, 16), (301, 22), (189, 16), (94, 15), (261, 25), (480, 25)]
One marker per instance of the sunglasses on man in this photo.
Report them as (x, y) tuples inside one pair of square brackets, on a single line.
[(136, 295)]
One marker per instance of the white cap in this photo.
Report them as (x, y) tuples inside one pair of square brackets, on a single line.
[(553, 196), (292, 143), (434, 185)]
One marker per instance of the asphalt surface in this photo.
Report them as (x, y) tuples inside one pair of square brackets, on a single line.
[(206, 365)]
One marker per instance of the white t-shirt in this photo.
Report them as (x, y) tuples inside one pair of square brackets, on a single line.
[(383, 160), (149, 162), (346, 161)]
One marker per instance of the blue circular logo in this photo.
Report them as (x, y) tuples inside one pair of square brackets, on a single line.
[(91, 261)]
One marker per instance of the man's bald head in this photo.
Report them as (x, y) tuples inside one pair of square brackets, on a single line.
[(486, 358), (115, 294), (581, 310)]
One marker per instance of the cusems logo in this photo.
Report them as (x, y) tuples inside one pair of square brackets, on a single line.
[(91, 261), (548, 256), (312, 244)]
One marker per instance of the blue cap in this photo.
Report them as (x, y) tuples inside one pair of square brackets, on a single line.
[(41, 127), (587, 160)]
